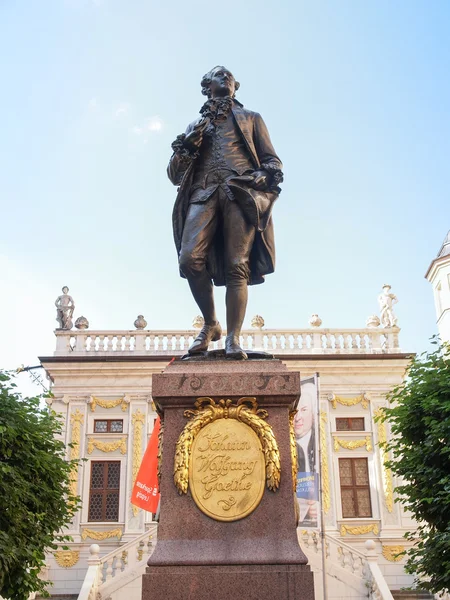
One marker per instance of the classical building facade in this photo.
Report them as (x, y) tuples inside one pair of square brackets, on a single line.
[(102, 386)]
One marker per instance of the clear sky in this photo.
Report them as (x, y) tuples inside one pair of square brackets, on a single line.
[(356, 96)]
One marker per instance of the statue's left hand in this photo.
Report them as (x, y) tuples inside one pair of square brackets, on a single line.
[(261, 180)]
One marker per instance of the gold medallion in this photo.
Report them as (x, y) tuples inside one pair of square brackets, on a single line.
[(227, 453), (227, 470)]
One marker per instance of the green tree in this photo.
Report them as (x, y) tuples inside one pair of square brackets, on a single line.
[(35, 499), (419, 415)]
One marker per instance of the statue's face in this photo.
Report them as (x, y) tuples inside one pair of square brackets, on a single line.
[(65, 290), (222, 83)]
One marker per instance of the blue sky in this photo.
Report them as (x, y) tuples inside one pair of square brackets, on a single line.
[(355, 95)]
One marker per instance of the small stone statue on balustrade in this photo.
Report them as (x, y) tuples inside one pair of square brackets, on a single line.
[(386, 301), (64, 309)]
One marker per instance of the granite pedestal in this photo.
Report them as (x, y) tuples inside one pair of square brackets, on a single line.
[(197, 557)]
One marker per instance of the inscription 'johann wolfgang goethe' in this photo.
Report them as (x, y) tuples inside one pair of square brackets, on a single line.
[(227, 470)]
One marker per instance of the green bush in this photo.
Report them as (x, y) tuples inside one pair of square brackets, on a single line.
[(35, 500), (419, 415)]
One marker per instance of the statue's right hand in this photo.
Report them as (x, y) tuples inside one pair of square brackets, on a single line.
[(193, 140)]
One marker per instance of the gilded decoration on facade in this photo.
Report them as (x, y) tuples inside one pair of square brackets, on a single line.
[(386, 473), (138, 420), (67, 558), (392, 553), (108, 446), (360, 529), (293, 448), (362, 399), (326, 498), (76, 419), (108, 403), (215, 480), (101, 535), (353, 444)]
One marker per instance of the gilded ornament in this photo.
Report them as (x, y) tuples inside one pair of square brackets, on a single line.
[(101, 535), (76, 419), (360, 529), (160, 449), (362, 399), (392, 553), (108, 446), (108, 403), (138, 420), (67, 558), (244, 428), (353, 444), (386, 474), (208, 411), (326, 498), (227, 470), (293, 442)]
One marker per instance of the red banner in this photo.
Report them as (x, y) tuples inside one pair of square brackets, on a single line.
[(145, 492)]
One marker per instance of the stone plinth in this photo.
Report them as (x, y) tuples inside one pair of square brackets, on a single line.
[(199, 557)]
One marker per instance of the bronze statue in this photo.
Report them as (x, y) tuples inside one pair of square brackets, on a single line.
[(228, 175)]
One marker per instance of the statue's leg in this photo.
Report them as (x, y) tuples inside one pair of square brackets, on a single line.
[(239, 237), (198, 234)]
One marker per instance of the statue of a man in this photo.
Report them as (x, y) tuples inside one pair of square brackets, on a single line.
[(64, 309), (228, 174), (386, 300)]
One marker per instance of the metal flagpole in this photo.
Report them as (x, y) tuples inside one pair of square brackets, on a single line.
[(322, 515)]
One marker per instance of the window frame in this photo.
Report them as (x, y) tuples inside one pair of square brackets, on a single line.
[(108, 427), (355, 487), (104, 491), (350, 419)]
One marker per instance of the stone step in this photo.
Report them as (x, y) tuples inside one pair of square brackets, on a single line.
[(411, 595)]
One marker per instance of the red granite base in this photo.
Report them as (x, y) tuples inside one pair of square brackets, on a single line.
[(231, 582)]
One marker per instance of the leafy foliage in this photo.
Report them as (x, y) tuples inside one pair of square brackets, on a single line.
[(419, 415), (35, 501)]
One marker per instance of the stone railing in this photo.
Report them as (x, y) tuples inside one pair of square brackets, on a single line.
[(276, 341), (362, 567), (127, 557), (105, 574)]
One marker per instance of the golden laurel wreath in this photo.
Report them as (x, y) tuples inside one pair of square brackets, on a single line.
[(245, 410)]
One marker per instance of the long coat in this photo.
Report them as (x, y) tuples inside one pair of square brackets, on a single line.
[(262, 153)]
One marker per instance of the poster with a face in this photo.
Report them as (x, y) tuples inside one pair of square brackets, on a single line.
[(306, 438)]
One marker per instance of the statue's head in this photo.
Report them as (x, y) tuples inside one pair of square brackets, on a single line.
[(219, 82), (65, 289)]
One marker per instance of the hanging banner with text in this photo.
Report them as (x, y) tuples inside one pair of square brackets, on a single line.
[(306, 437), (145, 492)]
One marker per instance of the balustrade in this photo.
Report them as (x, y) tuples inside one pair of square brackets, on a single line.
[(280, 342)]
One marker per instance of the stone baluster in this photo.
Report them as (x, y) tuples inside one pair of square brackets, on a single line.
[(152, 346), (109, 569), (178, 342), (126, 346)]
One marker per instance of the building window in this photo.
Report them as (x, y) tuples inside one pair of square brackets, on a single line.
[(355, 488), (350, 424), (104, 491), (108, 426)]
